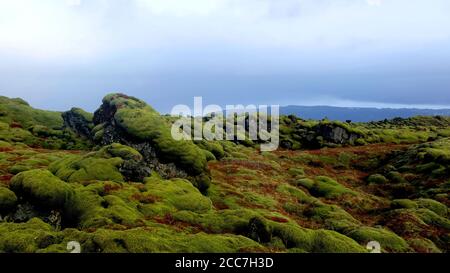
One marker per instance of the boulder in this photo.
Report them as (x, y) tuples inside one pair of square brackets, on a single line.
[(79, 121)]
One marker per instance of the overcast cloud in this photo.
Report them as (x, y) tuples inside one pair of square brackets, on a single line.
[(61, 53)]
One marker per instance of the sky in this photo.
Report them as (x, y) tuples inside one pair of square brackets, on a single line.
[(57, 54)]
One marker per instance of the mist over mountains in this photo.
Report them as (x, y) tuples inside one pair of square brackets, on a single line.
[(358, 114)]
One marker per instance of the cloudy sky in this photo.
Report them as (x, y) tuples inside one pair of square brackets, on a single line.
[(62, 53)]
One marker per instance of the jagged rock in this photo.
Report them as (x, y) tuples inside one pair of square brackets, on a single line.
[(130, 121), (78, 121), (258, 230), (336, 134)]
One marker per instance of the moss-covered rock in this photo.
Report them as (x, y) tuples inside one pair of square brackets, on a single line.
[(433, 205), (129, 120), (377, 179), (178, 194), (87, 168), (7, 199), (79, 121), (114, 162), (26, 237), (315, 241), (388, 240), (42, 187), (325, 187)]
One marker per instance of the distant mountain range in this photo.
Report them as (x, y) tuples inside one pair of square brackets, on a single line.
[(358, 114)]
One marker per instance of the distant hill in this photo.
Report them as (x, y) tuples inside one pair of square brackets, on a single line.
[(358, 114)]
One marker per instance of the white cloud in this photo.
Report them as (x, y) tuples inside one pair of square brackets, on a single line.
[(181, 7), (376, 3), (49, 28), (73, 2)]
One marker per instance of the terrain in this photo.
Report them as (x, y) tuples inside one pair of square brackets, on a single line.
[(116, 181), (358, 114)]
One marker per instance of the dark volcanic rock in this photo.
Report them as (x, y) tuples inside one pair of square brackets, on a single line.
[(168, 160), (112, 133), (336, 134), (78, 121)]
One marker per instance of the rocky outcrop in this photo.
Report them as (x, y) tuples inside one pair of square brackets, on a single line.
[(336, 134), (79, 121), (129, 121)]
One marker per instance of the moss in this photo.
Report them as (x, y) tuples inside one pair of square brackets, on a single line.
[(388, 240), (332, 216), (403, 203), (88, 117), (377, 179), (144, 123), (315, 240), (223, 221), (4, 144), (25, 237), (209, 156), (434, 206), (8, 199), (300, 195), (161, 240), (215, 148), (101, 165), (19, 168), (102, 204), (305, 182), (118, 150), (325, 187), (42, 187), (259, 199), (396, 177), (176, 194), (296, 172), (423, 245), (78, 169), (433, 218), (14, 110)]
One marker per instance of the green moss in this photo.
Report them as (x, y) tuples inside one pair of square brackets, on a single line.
[(215, 148), (118, 150), (404, 203), (305, 182), (434, 206), (19, 168), (101, 165), (42, 187), (388, 240), (7, 199), (78, 169), (223, 221), (315, 240), (432, 218), (209, 156), (88, 117), (423, 245), (15, 110), (325, 187), (160, 240), (332, 216), (25, 237), (176, 194), (259, 199), (396, 177), (143, 122), (300, 195), (377, 179), (296, 172), (4, 144)]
